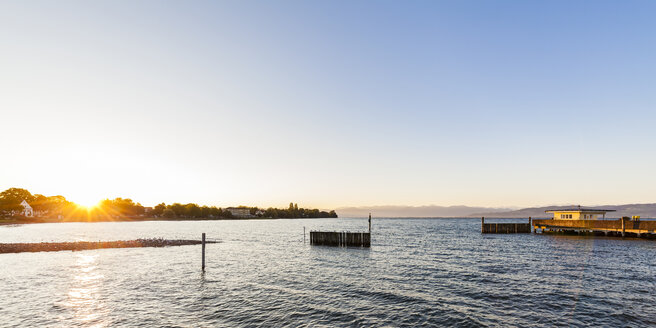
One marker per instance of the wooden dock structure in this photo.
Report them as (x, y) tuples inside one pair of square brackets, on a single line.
[(341, 239), (505, 227), (621, 227)]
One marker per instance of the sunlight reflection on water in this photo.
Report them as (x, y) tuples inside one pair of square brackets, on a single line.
[(84, 297)]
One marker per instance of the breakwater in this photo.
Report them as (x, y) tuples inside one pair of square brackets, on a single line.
[(85, 245)]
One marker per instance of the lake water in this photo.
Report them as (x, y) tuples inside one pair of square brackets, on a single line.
[(436, 272)]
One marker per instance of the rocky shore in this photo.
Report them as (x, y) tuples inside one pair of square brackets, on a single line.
[(84, 245)]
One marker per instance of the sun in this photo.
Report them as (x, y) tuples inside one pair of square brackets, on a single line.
[(88, 203)]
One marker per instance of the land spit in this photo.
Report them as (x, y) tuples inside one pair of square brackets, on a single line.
[(85, 245)]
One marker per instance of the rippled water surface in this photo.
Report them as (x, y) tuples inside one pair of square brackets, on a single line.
[(436, 272)]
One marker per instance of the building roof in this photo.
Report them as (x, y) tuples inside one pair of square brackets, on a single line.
[(579, 209), (25, 204)]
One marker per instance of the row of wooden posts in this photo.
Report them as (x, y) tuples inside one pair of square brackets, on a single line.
[(340, 238), (505, 227)]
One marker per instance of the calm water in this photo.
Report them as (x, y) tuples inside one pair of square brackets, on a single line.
[(436, 272)]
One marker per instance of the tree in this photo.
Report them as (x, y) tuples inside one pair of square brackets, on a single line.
[(168, 213), (178, 209), (50, 205), (216, 212), (192, 210), (10, 199), (16, 195), (204, 211), (158, 209)]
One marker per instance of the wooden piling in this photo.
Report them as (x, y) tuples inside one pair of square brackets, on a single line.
[(482, 224), (623, 228), (203, 243), (369, 222)]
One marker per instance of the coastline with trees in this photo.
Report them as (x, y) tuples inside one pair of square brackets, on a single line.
[(52, 209)]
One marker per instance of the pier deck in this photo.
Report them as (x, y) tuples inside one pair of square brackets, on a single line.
[(614, 227)]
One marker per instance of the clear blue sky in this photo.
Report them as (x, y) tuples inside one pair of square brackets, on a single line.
[(330, 103)]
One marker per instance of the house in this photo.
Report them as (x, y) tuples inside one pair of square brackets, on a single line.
[(27, 209), (239, 212), (578, 213)]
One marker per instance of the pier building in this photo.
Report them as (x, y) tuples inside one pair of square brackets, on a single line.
[(578, 213)]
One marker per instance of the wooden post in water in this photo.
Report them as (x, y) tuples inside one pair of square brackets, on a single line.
[(203, 265), (369, 222), (622, 227), (530, 225), (483, 224)]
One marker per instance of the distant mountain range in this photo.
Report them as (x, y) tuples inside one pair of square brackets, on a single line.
[(644, 210), (415, 211)]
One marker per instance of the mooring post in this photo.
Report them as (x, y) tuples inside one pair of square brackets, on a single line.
[(482, 224), (369, 222), (530, 225), (203, 265), (623, 230)]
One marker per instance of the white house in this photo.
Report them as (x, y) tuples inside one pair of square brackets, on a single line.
[(239, 212), (578, 213), (27, 209)]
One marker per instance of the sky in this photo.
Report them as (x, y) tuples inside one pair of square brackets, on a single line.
[(330, 103)]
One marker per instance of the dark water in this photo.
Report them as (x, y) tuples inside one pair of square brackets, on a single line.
[(433, 272)]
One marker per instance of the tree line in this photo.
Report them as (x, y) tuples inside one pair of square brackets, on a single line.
[(109, 209), (293, 211), (190, 211)]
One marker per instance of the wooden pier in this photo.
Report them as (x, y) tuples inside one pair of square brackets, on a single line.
[(621, 227), (342, 239), (505, 227)]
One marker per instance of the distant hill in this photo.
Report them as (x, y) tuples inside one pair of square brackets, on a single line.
[(644, 210), (415, 211)]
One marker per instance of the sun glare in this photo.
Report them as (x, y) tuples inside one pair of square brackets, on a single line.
[(87, 203)]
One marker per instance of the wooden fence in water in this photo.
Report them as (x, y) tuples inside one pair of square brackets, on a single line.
[(334, 238), (505, 227)]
